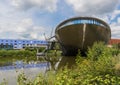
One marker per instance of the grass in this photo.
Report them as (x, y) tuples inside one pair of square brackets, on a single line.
[(10, 60), (9, 56)]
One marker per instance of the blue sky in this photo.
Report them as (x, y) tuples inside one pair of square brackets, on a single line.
[(30, 19)]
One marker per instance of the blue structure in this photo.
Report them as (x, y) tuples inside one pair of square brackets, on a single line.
[(20, 44), (83, 21), (19, 66)]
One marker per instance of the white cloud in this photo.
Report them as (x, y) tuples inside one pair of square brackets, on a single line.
[(23, 29), (115, 29), (24, 25), (90, 7), (30, 31), (29, 24), (106, 10), (115, 13), (118, 20), (37, 32), (19, 24), (48, 5)]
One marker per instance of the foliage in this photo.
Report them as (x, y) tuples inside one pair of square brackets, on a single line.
[(4, 82), (39, 49), (51, 56), (9, 56), (99, 50), (100, 67), (23, 80), (17, 53)]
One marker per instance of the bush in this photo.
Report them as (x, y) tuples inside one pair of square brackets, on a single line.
[(100, 67), (17, 53)]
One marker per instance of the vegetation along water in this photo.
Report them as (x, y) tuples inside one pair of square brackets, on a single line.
[(100, 66)]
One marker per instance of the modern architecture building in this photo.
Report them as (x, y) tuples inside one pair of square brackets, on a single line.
[(20, 44), (79, 33)]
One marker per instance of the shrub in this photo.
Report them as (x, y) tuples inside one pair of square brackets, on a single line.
[(100, 67)]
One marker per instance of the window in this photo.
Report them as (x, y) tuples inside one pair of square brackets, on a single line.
[(15, 43)]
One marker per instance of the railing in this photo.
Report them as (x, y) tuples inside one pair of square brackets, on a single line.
[(83, 22)]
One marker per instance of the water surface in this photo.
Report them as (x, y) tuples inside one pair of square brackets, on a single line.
[(10, 75)]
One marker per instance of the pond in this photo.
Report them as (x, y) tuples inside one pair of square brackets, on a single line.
[(31, 70), (11, 72)]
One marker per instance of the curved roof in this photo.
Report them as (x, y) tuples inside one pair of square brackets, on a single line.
[(83, 18)]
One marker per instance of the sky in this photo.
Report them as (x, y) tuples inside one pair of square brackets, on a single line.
[(31, 19)]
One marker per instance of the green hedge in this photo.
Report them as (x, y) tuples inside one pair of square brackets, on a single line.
[(17, 53)]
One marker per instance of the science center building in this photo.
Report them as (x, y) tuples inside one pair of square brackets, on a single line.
[(80, 33), (20, 44)]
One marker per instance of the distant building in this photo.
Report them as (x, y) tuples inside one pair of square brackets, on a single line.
[(20, 44), (114, 41)]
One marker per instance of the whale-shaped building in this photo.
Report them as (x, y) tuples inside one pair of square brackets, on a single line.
[(80, 33)]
